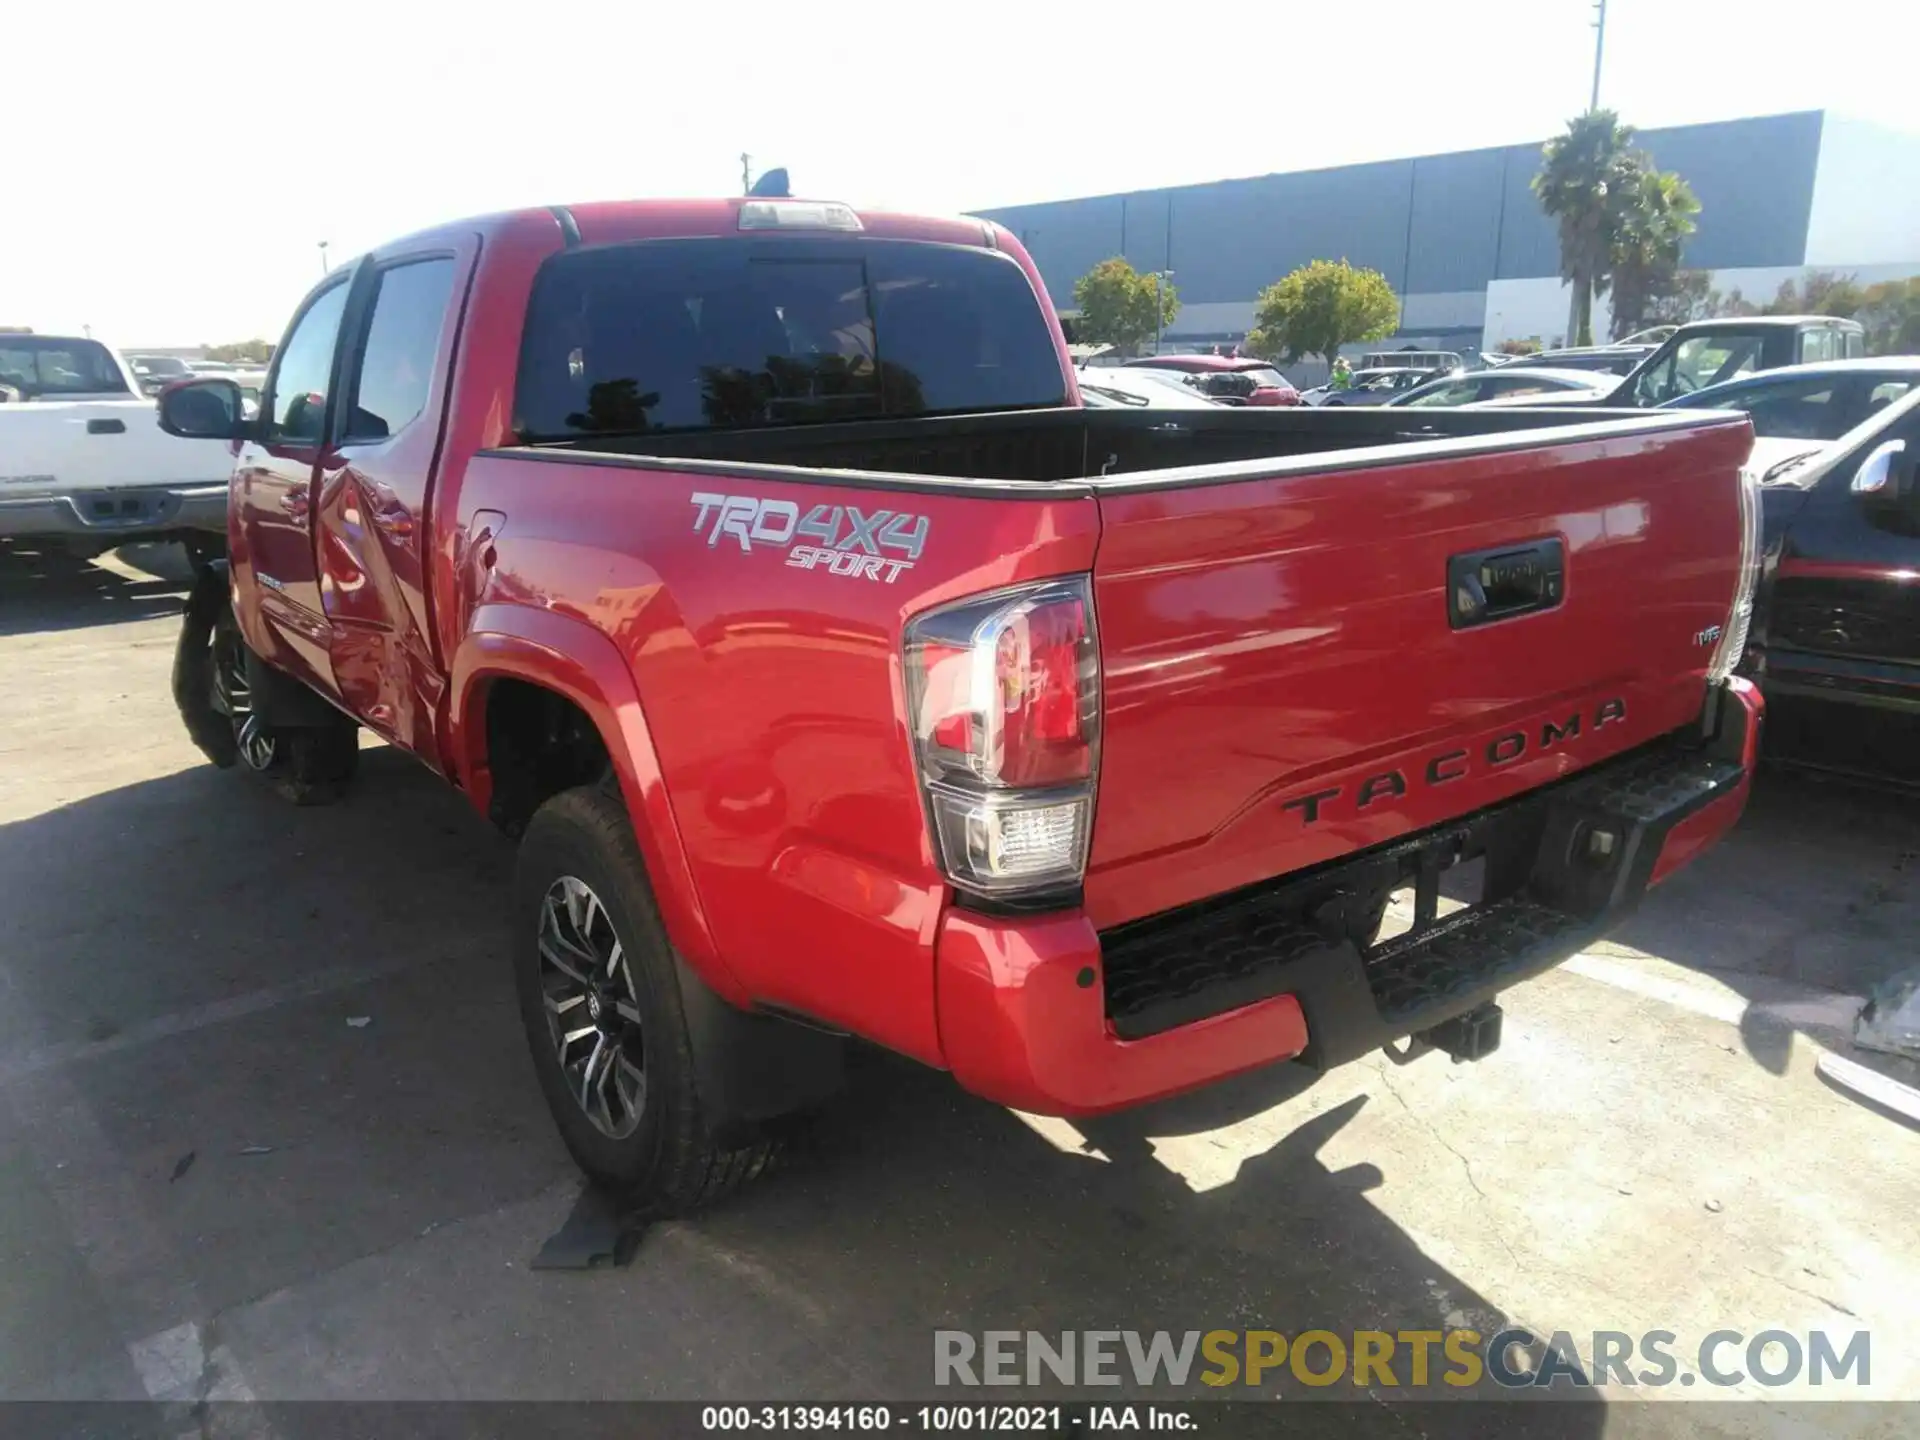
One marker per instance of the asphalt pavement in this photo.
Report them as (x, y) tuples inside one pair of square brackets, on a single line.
[(268, 1129)]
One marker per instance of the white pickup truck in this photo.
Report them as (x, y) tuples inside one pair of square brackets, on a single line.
[(84, 463)]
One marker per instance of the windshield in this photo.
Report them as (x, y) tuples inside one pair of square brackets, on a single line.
[(159, 365), (730, 334), (39, 367), (1697, 362)]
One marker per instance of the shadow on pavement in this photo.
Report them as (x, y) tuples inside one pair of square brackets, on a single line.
[(45, 588), (1815, 897), (234, 1145)]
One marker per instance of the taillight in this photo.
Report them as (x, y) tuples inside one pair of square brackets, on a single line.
[(1733, 635), (1004, 696)]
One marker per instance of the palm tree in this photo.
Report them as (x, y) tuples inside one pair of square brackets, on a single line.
[(1576, 179), (1652, 213)]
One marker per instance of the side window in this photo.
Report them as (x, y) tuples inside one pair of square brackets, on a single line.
[(1656, 384), (1885, 393), (402, 343), (1815, 346), (298, 405), (1856, 345), (1810, 410)]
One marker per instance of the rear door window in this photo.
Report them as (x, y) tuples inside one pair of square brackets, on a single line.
[(1816, 346), (44, 367), (730, 334)]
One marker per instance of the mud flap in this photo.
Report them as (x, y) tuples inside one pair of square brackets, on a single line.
[(207, 601), (753, 1067)]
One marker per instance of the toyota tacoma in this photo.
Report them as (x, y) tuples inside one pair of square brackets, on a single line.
[(755, 565)]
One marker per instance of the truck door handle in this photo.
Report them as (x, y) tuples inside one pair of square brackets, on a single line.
[(106, 427)]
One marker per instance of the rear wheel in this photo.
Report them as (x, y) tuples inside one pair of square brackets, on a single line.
[(601, 1003)]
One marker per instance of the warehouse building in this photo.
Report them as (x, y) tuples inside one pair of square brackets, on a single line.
[(1462, 238)]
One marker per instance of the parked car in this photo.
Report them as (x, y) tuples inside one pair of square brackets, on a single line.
[(83, 462), (795, 623), (1438, 361), (1373, 387), (1117, 386), (1836, 631), (1800, 410), (1231, 379), (154, 373), (1507, 383), (1613, 360), (1712, 352)]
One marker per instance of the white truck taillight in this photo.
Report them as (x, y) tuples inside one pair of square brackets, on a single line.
[(1733, 635), (1003, 691)]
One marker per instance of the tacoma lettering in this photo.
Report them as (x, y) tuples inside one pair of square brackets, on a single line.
[(1501, 751)]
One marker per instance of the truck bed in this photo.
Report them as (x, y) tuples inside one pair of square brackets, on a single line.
[(1073, 444)]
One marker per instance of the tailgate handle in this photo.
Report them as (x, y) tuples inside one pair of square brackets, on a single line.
[(1488, 585), (106, 427)]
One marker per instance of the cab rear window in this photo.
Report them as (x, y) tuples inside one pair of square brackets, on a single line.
[(675, 335)]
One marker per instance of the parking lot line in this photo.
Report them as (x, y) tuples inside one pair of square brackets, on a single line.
[(26, 1063), (1822, 1013)]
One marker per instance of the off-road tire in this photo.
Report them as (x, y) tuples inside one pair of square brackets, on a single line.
[(673, 1163), (207, 609), (314, 767), (310, 765)]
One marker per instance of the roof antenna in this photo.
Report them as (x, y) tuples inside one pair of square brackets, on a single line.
[(772, 185)]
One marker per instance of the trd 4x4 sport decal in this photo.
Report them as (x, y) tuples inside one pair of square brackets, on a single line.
[(851, 541)]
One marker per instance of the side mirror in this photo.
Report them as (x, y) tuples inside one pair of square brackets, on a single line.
[(1887, 475), (210, 409)]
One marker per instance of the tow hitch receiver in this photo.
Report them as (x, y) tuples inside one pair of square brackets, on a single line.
[(1472, 1036)]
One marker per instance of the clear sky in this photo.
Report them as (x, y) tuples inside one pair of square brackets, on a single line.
[(168, 168)]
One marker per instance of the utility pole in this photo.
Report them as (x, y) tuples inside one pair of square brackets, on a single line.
[(746, 176), (1159, 308), (323, 257), (1599, 48)]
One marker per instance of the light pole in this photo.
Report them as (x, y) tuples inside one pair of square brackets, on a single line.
[(323, 257), (1159, 306), (1599, 48)]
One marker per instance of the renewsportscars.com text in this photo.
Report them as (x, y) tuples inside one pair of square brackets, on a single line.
[(1412, 1359)]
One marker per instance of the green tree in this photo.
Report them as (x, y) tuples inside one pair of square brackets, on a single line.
[(1578, 173), (1320, 307), (1121, 307), (252, 352), (1652, 214), (1891, 313), (1822, 293)]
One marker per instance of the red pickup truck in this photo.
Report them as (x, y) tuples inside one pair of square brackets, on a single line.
[(754, 563)]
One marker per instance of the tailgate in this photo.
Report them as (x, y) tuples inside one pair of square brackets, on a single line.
[(1286, 679)]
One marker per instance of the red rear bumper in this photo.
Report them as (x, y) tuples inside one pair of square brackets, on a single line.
[(1024, 1001)]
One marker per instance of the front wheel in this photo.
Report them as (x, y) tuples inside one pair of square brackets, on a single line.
[(601, 1003)]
